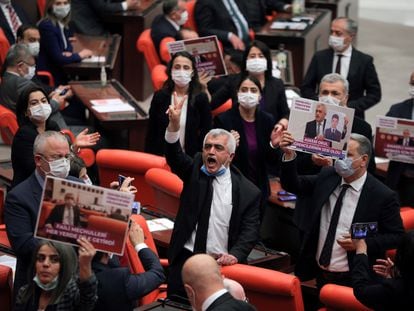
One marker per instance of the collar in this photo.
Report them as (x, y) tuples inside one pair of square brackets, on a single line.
[(39, 178), (347, 52), (13, 73), (174, 24), (358, 183), (225, 177), (212, 298)]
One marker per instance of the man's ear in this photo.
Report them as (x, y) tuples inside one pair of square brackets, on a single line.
[(37, 159), (189, 290)]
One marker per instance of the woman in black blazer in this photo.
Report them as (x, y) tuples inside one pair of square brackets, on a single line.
[(257, 62), (255, 132), (182, 85), (396, 290)]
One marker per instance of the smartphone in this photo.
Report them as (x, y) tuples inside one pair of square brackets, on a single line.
[(121, 179), (362, 230), (64, 91), (284, 193), (287, 198)]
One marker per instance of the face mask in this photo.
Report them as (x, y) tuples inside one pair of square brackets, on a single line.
[(40, 112), (61, 11), (5, 1), (344, 167), (87, 180), (181, 77), (34, 48), (248, 100), (59, 168), (411, 91), (183, 18), (30, 74), (337, 43), (330, 100), (46, 287), (220, 172), (256, 65)]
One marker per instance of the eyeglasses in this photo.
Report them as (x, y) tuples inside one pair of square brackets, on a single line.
[(55, 157), (52, 258)]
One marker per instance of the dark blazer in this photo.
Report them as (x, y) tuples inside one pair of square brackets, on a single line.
[(162, 28), (244, 221), (51, 49), (119, 289), (266, 156), (376, 203), (396, 169), (387, 294), (6, 26), (20, 215), (56, 215), (87, 15), (197, 125), (10, 88), (335, 135), (310, 129), (364, 86), (400, 141), (258, 9), (273, 100), (227, 303), (212, 18)]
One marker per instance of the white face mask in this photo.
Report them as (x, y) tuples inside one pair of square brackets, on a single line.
[(337, 43), (181, 77), (330, 100), (34, 48), (40, 112), (256, 65), (59, 168), (411, 90), (248, 100), (87, 180), (183, 18), (61, 11), (46, 287), (30, 74)]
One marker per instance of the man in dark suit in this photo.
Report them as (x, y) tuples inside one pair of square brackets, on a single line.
[(357, 67), (169, 24), (339, 197), (67, 213), (332, 133), (203, 283), (400, 176), (12, 16), (22, 202), (87, 15), (406, 140), (315, 128), (219, 207)]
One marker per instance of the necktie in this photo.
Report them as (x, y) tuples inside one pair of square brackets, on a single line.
[(13, 19), (338, 64), (325, 257), (238, 19), (200, 242), (319, 129)]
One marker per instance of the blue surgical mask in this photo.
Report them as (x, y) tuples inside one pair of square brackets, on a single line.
[(220, 172), (46, 287), (344, 167)]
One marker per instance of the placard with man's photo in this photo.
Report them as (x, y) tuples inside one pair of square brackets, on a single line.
[(70, 210), (320, 128)]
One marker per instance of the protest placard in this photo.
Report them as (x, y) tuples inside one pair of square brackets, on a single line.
[(320, 128), (70, 210), (206, 52), (394, 139)]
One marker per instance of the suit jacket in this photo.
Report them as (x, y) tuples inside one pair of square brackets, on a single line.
[(56, 215), (197, 125), (6, 26), (119, 289), (162, 28), (265, 157), (333, 135), (400, 141), (376, 203), (364, 86), (244, 222), (51, 49), (10, 88), (273, 100), (386, 294), (207, 14), (396, 169), (20, 214), (87, 15), (227, 303), (310, 130)]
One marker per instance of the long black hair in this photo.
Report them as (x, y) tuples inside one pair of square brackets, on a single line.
[(266, 53)]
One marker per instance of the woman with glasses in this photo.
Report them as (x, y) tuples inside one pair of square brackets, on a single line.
[(56, 283), (32, 112)]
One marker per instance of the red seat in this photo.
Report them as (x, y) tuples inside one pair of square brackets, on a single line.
[(8, 125), (164, 53), (48, 76), (407, 216), (4, 47), (191, 23), (159, 76), (339, 298), (6, 288), (223, 108), (146, 46), (41, 4)]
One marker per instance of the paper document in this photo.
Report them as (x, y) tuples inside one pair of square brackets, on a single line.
[(95, 59), (289, 25), (160, 224)]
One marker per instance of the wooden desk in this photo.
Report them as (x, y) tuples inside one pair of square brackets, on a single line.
[(302, 43), (339, 8), (88, 90), (100, 46), (134, 71)]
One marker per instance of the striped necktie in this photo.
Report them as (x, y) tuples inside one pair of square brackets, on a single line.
[(238, 19), (15, 24)]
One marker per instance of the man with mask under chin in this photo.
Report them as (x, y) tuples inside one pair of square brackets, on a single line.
[(342, 58), (51, 155), (339, 196)]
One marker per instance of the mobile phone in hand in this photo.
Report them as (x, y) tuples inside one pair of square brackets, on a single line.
[(121, 179), (362, 230), (63, 92)]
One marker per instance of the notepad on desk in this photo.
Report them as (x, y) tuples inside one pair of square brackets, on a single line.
[(160, 224), (95, 59), (115, 108), (288, 25)]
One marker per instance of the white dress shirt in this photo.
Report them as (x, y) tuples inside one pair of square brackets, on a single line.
[(345, 61), (68, 216)]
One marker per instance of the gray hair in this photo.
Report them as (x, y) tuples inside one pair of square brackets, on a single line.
[(351, 25), (40, 141), (335, 77), (17, 53), (231, 141), (365, 146), (169, 5)]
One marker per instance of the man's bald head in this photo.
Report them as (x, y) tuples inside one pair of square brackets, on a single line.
[(201, 271)]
